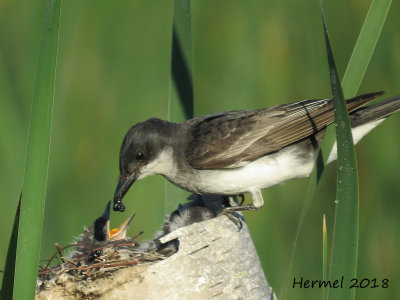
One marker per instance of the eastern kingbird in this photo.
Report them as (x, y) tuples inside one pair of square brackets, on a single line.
[(233, 152)]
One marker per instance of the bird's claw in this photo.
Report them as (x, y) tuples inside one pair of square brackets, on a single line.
[(236, 218), (241, 207)]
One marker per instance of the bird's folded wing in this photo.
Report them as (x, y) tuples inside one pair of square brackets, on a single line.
[(232, 139)]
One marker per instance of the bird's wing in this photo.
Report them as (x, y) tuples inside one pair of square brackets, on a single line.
[(232, 139)]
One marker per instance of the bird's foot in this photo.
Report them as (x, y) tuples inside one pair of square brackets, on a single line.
[(241, 196), (241, 207), (236, 218), (234, 204)]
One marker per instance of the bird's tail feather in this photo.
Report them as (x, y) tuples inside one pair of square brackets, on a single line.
[(358, 101), (375, 112), (364, 119)]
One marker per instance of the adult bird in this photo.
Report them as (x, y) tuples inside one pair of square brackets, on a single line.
[(234, 152)]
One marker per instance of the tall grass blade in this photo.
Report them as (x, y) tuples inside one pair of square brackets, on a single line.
[(324, 257), (180, 102), (9, 269), (362, 53), (345, 231), (36, 165), (365, 46)]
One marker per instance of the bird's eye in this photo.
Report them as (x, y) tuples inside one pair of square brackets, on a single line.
[(139, 155)]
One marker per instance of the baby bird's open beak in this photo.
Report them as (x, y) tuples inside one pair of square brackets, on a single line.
[(102, 232), (120, 232)]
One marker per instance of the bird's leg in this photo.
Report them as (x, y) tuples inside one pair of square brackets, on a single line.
[(241, 208), (228, 202), (230, 212), (241, 196), (258, 202), (236, 200)]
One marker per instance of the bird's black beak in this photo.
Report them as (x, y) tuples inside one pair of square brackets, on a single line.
[(124, 183)]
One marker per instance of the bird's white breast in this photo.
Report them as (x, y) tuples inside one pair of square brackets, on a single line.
[(261, 173)]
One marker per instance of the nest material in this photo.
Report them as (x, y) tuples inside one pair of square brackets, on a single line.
[(79, 278), (214, 261)]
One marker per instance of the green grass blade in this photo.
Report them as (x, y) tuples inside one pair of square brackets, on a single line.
[(180, 103), (9, 269), (353, 76), (36, 165), (345, 232), (324, 256), (365, 46), (181, 100)]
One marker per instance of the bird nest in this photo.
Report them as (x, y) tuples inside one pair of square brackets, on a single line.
[(101, 260), (84, 275), (100, 254), (195, 255)]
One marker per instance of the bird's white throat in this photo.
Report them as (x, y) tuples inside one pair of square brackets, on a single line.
[(162, 164)]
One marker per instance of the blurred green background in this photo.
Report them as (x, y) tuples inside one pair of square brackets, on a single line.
[(113, 71)]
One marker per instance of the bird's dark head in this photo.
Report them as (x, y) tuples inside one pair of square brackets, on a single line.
[(141, 146)]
